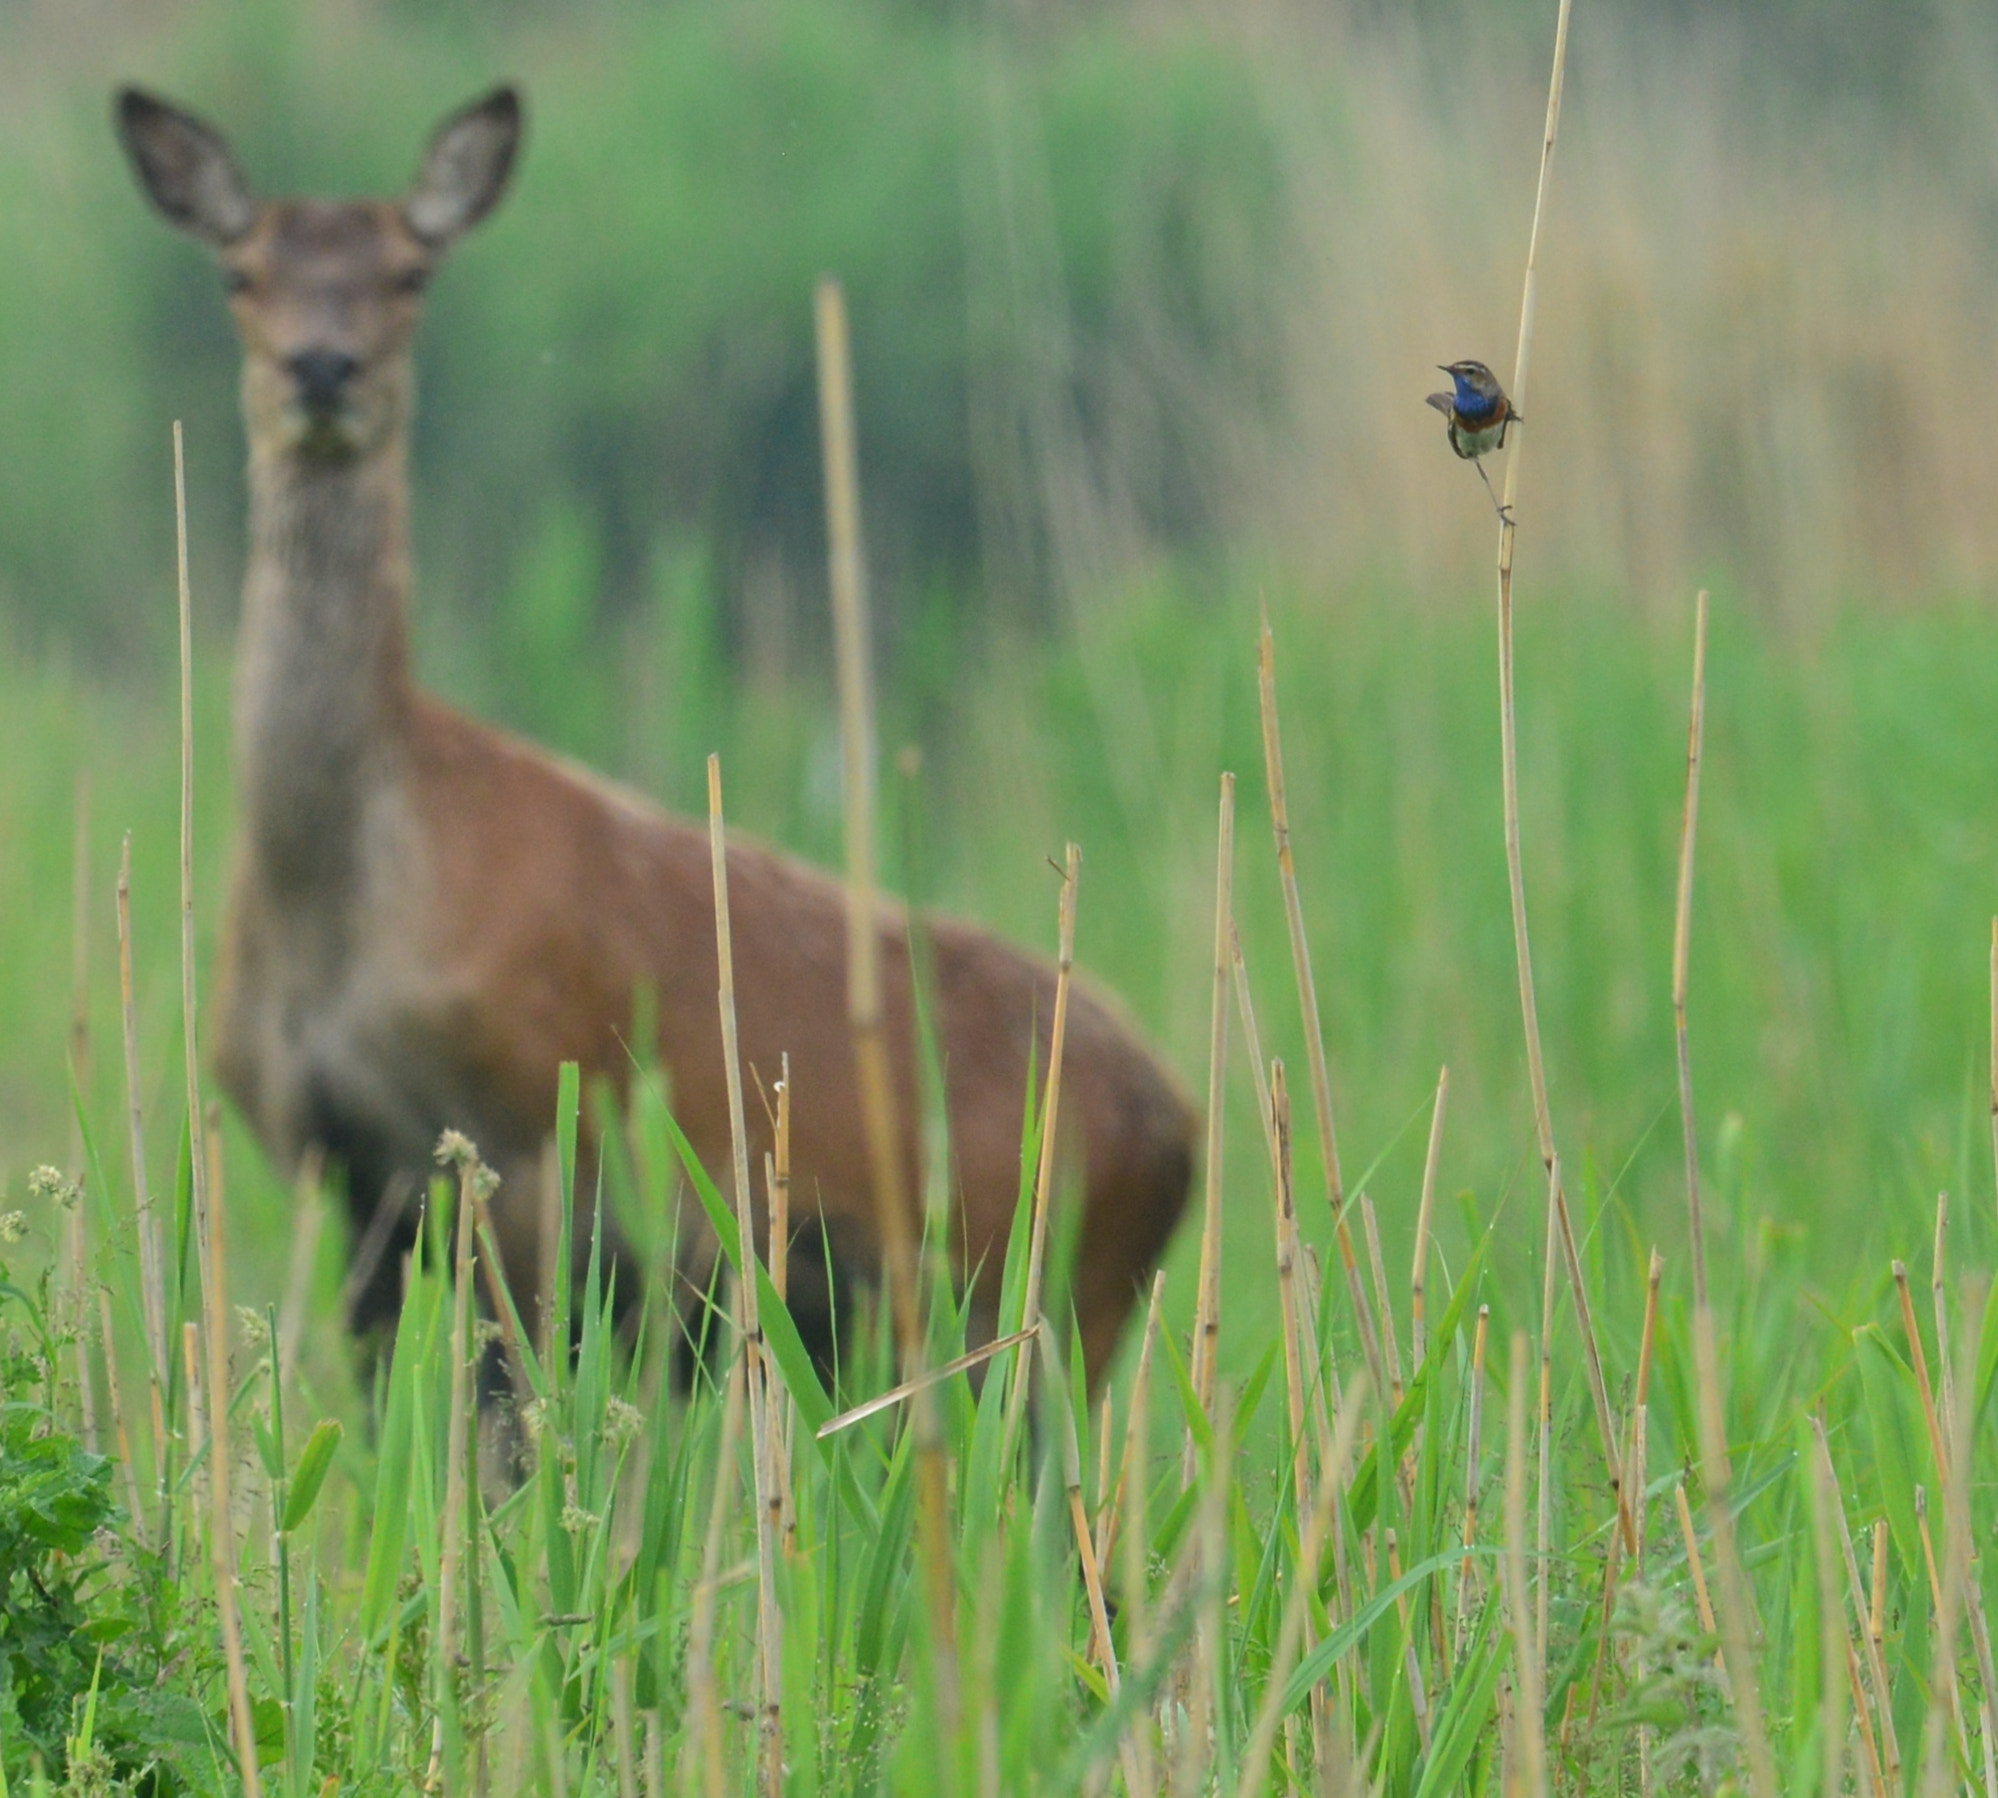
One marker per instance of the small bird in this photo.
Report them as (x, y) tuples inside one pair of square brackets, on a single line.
[(1476, 416)]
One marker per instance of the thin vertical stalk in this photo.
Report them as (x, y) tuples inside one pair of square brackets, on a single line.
[(1876, 1667), (152, 1281), (1021, 1374), (1286, 1260), (211, 1224), (1307, 999), (1418, 1279), (76, 1248), (769, 1618), (1529, 1713), (1836, 1666), (1682, 936), (1936, 1760), (1735, 1631), (704, 1736), (1207, 1307), (865, 1009), (455, 1151), (1473, 1443)]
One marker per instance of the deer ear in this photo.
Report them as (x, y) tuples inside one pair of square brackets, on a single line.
[(465, 169), (185, 167)]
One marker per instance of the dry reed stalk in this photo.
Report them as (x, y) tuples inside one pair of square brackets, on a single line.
[(1307, 999), (621, 1730), (1736, 1613), (1543, 1510), (926, 1381), (1633, 1479), (75, 1259), (865, 1011), (1044, 1170), (1876, 1668), (454, 1150), (1834, 1646), (1682, 938), (1876, 1593), (655, 1756), (1466, 1571), (1371, 1230), (1207, 1308), (1418, 1279), (1987, 1676), (152, 1280), (1919, 1357), (1078, 1516), (1936, 1604), (1936, 1765), (1132, 1460), (311, 1211), (780, 1277), (116, 1401), (1286, 1257), (1938, 1299), (1297, 1607), (1560, 1226), (769, 1501), (704, 1736), (1206, 1567), (1530, 1745), (210, 1225), (1132, 1532), (1418, 1697)]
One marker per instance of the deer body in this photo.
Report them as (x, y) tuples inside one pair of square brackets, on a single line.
[(427, 916)]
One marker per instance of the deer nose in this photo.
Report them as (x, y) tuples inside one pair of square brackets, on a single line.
[(321, 375)]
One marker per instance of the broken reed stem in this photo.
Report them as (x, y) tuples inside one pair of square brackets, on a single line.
[(152, 1280), (1919, 1357), (769, 1619), (1418, 1279), (1037, 1238), (454, 1151), (1736, 1631), (1529, 1710), (1307, 999), (222, 1543), (1682, 935), (1207, 1307)]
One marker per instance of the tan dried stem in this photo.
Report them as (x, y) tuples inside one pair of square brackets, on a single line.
[(769, 1502), (215, 1283), (1207, 1304), (1418, 1279), (152, 1280), (1530, 1743), (1307, 999)]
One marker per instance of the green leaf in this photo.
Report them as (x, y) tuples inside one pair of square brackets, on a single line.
[(313, 1461)]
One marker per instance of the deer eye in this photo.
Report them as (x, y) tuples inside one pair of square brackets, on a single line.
[(235, 280), (412, 280)]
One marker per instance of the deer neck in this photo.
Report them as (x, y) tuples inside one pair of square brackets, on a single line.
[(322, 681)]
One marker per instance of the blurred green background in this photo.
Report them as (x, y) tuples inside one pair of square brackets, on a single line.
[(1145, 300)]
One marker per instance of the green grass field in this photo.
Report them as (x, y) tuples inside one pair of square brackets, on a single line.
[(606, 1616)]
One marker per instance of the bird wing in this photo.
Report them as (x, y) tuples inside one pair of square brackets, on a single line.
[(1445, 403)]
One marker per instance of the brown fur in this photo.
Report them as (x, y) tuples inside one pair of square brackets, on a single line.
[(427, 916)]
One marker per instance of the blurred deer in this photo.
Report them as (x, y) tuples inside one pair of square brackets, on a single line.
[(428, 916)]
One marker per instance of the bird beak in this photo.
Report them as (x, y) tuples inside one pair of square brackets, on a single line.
[(1446, 368)]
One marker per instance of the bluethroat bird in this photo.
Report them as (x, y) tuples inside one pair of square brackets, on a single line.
[(1477, 416)]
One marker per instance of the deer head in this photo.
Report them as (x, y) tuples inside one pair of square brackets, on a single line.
[(325, 293)]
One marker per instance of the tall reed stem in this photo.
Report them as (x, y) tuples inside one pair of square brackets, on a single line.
[(209, 1221)]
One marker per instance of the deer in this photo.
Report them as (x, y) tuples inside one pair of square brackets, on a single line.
[(428, 916)]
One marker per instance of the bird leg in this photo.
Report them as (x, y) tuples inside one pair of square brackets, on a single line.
[(1504, 512)]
